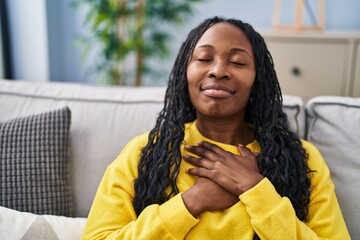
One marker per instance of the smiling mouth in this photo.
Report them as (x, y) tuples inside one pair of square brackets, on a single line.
[(217, 91)]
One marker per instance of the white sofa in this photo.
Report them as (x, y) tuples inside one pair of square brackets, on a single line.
[(104, 119)]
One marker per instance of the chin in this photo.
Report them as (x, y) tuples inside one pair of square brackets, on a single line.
[(215, 112)]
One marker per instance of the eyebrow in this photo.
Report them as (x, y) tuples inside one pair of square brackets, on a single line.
[(240, 50), (233, 50)]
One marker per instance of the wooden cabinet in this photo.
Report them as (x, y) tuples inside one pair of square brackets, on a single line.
[(313, 64)]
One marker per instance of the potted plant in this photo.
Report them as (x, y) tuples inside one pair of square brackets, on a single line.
[(129, 29)]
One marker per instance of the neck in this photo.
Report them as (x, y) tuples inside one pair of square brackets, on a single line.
[(228, 131)]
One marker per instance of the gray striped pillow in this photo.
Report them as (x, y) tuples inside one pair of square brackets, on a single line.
[(34, 163)]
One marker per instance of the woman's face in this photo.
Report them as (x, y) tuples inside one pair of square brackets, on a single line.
[(221, 72)]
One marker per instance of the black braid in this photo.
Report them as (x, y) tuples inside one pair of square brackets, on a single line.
[(282, 159), (155, 164)]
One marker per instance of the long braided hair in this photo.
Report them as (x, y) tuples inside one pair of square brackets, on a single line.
[(282, 159)]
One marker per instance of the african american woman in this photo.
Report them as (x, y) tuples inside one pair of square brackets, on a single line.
[(221, 161)]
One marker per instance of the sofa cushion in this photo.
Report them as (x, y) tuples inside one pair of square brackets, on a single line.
[(34, 172), (293, 106), (21, 225), (103, 120), (334, 127)]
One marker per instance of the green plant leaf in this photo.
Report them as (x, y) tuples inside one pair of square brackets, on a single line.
[(146, 37)]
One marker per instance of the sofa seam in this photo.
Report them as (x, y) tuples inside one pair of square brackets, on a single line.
[(83, 99)]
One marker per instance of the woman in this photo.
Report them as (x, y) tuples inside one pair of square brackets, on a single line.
[(221, 161)]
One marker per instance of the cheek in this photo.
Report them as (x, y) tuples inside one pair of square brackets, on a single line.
[(192, 92), (246, 87), (191, 73), (250, 79), (193, 80)]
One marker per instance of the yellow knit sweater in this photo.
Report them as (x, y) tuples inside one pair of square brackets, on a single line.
[(260, 209)]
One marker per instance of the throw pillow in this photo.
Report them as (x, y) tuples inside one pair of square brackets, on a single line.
[(34, 164), (21, 225), (334, 127)]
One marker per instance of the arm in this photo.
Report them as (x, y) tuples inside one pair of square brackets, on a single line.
[(112, 215), (325, 220), (273, 216)]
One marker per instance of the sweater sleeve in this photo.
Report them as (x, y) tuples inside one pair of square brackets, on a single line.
[(112, 215), (275, 218)]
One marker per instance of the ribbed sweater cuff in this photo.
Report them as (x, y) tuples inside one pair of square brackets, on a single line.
[(176, 218), (263, 190)]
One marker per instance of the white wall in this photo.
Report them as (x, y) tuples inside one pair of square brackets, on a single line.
[(65, 25), (43, 34), (29, 43)]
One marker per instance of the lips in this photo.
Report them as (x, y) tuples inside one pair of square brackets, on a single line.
[(217, 91)]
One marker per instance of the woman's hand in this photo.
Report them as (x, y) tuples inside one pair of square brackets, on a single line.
[(234, 173), (206, 195)]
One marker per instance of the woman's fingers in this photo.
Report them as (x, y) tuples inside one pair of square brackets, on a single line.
[(214, 152), (244, 151), (256, 154), (206, 154), (235, 173), (212, 147), (199, 162), (207, 150), (200, 172)]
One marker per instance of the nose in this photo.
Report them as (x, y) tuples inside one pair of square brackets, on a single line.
[(219, 71)]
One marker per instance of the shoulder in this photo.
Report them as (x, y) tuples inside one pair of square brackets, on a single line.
[(130, 154), (315, 159), (137, 142), (310, 148), (316, 162), (123, 170)]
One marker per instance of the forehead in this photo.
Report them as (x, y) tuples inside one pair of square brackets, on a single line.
[(225, 34)]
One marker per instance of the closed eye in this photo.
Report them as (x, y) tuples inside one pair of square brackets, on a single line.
[(204, 60), (240, 64)]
